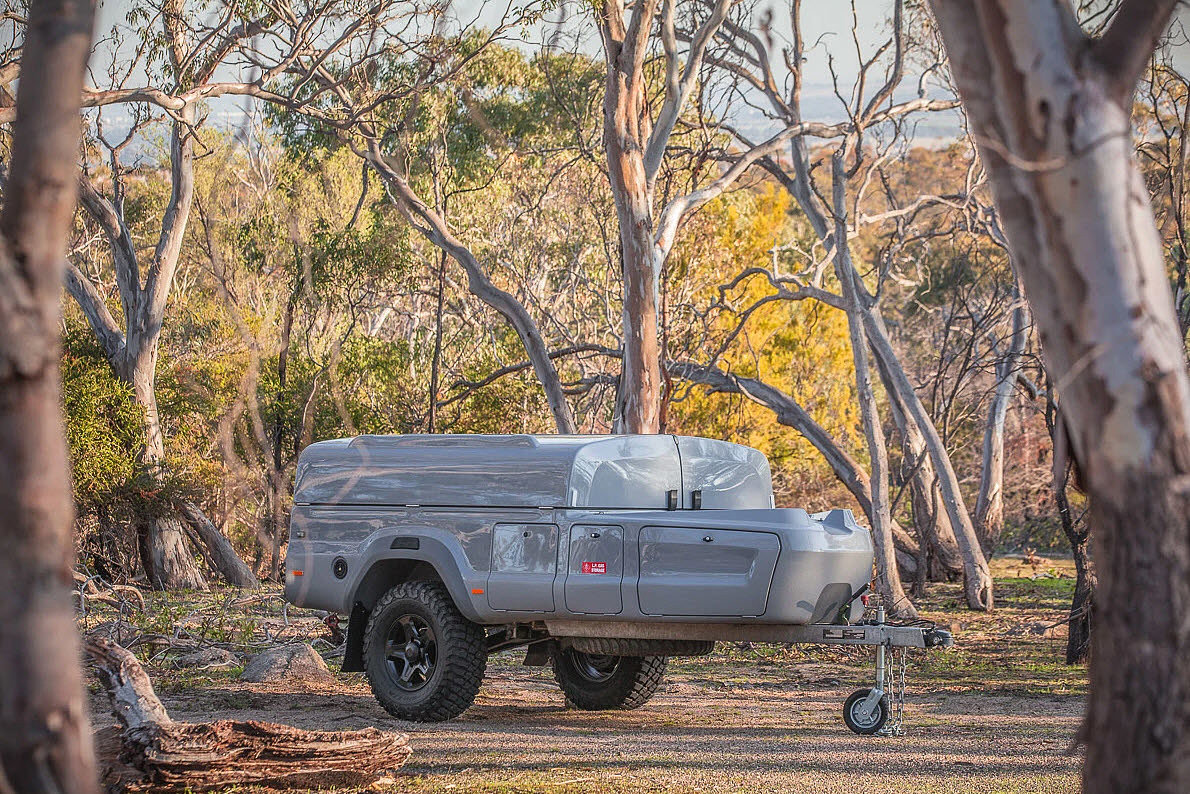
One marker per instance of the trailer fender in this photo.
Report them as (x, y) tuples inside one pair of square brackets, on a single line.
[(389, 559)]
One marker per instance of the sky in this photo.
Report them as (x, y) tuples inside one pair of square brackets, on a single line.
[(826, 27)]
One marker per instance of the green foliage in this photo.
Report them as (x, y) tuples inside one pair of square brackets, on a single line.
[(104, 428), (499, 102)]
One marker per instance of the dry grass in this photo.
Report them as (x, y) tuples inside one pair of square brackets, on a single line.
[(998, 713)]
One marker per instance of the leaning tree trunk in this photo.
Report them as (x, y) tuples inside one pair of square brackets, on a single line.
[(935, 532), (989, 504), (223, 555), (1049, 109), (977, 579), (433, 227), (888, 580), (45, 742)]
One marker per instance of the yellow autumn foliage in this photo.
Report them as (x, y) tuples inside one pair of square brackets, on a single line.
[(800, 347)]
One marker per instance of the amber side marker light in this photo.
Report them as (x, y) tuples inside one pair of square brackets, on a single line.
[(476, 591), (298, 573)]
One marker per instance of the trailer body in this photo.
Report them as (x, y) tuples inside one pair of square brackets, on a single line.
[(568, 530)]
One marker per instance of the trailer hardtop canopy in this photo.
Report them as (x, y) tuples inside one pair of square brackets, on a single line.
[(611, 471)]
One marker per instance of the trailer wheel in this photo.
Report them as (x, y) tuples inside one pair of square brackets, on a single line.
[(598, 682), (859, 722), (424, 660)]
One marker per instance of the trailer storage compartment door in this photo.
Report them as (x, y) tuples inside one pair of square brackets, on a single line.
[(688, 571), (596, 570), (524, 563)]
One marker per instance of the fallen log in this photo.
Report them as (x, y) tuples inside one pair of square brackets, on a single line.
[(177, 756)]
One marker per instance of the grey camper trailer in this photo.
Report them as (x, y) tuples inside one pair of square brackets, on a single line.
[(602, 555)]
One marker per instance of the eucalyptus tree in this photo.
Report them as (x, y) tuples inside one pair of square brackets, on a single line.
[(164, 75), (45, 739), (744, 51), (369, 98), (640, 146), (1050, 110)]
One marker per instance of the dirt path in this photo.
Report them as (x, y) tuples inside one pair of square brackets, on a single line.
[(996, 713), (716, 726)]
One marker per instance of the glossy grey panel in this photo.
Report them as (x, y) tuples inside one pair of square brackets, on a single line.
[(599, 472), (625, 472), (697, 571), (730, 476), (524, 563), (596, 570), (394, 471)]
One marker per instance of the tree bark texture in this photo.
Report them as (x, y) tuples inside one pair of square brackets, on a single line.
[(888, 580), (1049, 108), (45, 742), (179, 756), (625, 138)]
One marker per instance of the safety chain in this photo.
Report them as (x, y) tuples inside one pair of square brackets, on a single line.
[(895, 687)]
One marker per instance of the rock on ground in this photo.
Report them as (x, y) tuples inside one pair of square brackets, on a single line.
[(296, 662)]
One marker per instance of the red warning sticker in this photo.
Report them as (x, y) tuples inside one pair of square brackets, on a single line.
[(594, 567)]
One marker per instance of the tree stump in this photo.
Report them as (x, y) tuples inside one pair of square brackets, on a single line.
[(175, 756)]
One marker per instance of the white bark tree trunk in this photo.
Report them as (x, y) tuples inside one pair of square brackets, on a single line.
[(934, 529), (1050, 111), (888, 580), (626, 131), (167, 560), (977, 579), (989, 504)]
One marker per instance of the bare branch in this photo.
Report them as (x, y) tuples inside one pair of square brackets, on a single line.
[(1127, 45)]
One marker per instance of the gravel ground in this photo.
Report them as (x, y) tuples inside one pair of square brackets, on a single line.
[(997, 713), (781, 730)]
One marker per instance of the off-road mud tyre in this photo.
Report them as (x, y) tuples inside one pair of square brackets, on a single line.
[(597, 682), (451, 653)]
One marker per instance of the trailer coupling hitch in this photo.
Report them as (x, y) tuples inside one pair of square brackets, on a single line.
[(938, 638)]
